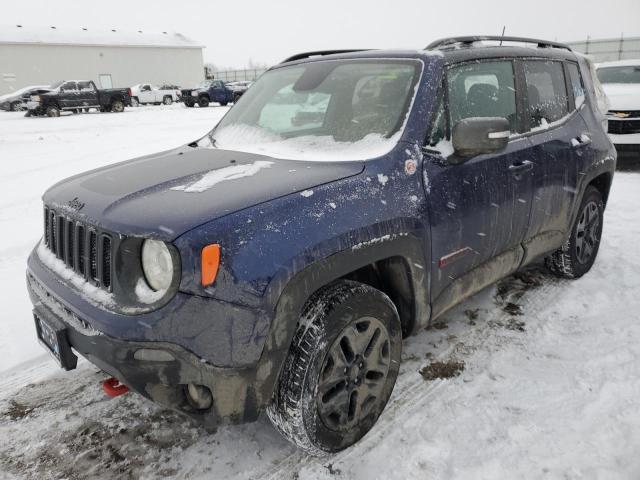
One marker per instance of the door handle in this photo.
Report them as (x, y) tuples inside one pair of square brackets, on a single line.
[(521, 167), (581, 140)]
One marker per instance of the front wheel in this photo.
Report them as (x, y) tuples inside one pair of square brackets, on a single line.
[(578, 254), (224, 104), (167, 100), (53, 111), (135, 102), (203, 102), (341, 369), (189, 103), (117, 106), (15, 106)]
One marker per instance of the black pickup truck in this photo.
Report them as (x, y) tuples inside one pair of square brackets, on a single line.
[(77, 96)]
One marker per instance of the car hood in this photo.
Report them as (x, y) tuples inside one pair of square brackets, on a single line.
[(166, 194), (623, 96)]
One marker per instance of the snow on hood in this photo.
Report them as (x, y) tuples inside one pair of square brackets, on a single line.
[(246, 138), (223, 174), (623, 96)]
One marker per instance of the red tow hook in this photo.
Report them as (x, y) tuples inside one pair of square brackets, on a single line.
[(113, 387)]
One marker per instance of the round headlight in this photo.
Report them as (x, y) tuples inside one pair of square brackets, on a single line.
[(157, 265)]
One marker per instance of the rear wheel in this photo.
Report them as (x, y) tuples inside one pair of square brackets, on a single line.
[(53, 111), (167, 100), (203, 101), (117, 106), (342, 365), (578, 254)]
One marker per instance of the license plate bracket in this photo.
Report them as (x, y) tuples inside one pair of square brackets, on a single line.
[(52, 334)]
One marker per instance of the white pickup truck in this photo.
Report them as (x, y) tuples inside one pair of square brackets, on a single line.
[(148, 93)]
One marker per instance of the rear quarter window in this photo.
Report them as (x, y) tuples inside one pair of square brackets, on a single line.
[(576, 84)]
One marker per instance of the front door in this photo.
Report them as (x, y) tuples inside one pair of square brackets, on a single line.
[(69, 95), (146, 95), (479, 209)]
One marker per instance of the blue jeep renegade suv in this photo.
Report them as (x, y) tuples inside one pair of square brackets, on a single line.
[(347, 200)]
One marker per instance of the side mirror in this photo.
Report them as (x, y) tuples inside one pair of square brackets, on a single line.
[(477, 135)]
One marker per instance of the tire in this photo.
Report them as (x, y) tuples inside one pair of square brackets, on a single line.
[(326, 380), (117, 106), (578, 254), (15, 106), (53, 111), (203, 101), (189, 104), (135, 102), (224, 104), (167, 100)]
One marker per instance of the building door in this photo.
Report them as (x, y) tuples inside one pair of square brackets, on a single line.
[(105, 80)]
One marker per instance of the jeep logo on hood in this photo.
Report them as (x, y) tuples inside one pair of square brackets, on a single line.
[(75, 204)]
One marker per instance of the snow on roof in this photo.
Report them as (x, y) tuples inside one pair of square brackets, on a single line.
[(27, 34)]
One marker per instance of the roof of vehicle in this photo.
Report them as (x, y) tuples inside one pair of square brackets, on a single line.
[(28, 34), (619, 63), (454, 52)]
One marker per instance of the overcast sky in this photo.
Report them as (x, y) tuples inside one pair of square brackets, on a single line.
[(236, 32)]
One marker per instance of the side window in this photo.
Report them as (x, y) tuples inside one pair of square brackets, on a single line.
[(85, 87), (576, 84), (547, 92), (485, 89), (69, 87)]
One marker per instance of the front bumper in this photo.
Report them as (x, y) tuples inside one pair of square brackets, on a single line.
[(229, 362), (161, 376)]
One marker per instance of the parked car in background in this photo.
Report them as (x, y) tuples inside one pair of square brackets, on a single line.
[(238, 88), (621, 82), (207, 92), (77, 96), (276, 263), (145, 93), (16, 101)]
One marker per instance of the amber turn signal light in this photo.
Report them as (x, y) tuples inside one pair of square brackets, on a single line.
[(210, 264)]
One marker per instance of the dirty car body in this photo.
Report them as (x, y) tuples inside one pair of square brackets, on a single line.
[(405, 212)]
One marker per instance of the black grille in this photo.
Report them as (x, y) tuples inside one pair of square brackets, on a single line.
[(623, 127), (83, 248)]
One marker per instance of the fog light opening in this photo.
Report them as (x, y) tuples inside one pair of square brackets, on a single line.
[(152, 355), (199, 396)]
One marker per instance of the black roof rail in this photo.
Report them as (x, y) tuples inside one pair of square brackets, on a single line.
[(300, 56), (446, 42)]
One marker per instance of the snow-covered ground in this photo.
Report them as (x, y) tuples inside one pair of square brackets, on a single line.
[(550, 386)]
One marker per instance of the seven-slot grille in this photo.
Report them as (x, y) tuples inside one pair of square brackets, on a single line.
[(83, 248)]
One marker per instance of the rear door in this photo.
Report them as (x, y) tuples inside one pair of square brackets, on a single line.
[(557, 134), (479, 208)]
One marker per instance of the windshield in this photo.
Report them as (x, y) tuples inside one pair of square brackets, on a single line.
[(204, 84), (630, 74), (327, 110)]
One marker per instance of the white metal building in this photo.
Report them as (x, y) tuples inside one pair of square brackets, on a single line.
[(112, 58)]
